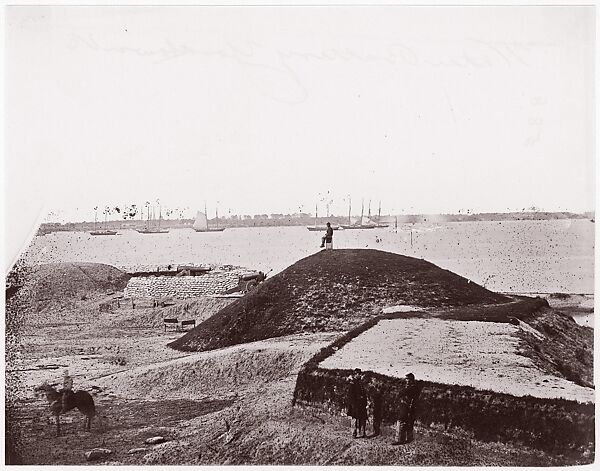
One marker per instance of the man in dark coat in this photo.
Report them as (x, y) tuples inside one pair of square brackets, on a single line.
[(407, 409), (376, 399), (328, 237), (357, 404)]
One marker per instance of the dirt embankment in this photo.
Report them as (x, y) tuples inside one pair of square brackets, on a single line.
[(557, 426), (334, 290), (199, 309), (560, 346), (49, 292), (56, 282), (219, 373), (546, 421)]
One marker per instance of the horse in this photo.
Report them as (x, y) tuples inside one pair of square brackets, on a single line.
[(81, 400)]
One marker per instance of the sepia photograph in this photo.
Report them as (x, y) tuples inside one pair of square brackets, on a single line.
[(334, 235)]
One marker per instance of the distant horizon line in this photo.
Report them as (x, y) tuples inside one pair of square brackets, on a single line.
[(304, 215)]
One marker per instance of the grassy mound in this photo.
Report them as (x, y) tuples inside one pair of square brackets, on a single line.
[(333, 291)]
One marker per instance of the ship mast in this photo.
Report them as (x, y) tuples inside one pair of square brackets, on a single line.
[(362, 210), (206, 213), (349, 209)]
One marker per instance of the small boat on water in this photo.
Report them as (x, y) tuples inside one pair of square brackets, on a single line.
[(201, 222), (378, 223), (321, 227), (359, 224), (152, 231), (156, 229), (101, 232)]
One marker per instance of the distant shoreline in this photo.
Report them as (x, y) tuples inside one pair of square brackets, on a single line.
[(280, 220)]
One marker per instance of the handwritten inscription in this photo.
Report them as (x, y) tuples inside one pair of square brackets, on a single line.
[(280, 64)]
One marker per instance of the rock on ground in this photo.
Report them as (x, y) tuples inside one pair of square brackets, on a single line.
[(97, 453)]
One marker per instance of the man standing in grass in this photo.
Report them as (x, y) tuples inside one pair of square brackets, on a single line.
[(376, 401), (407, 409), (357, 404)]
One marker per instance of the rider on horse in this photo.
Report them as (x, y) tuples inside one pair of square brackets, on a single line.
[(66, 393)]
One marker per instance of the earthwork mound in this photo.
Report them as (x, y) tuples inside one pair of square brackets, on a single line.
[(333, 290), (59, 281)]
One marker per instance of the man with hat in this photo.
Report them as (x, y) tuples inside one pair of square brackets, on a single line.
[(357, 404), (407, 409), (328, 237)]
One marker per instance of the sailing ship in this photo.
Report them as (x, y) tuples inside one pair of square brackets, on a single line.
[(360, 225), (104, 231), (201, 222), (321, 227), (156, 229), (378, 223)]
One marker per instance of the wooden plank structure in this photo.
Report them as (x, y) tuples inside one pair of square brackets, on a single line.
[(186, 323), (171, 323)]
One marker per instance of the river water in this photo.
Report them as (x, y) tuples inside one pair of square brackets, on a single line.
[(508, 256)]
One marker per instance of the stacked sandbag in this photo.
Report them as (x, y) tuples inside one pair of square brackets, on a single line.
[(172, 267), (182, 287)]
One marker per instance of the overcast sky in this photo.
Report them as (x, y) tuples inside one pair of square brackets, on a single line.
[(263, 110)]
